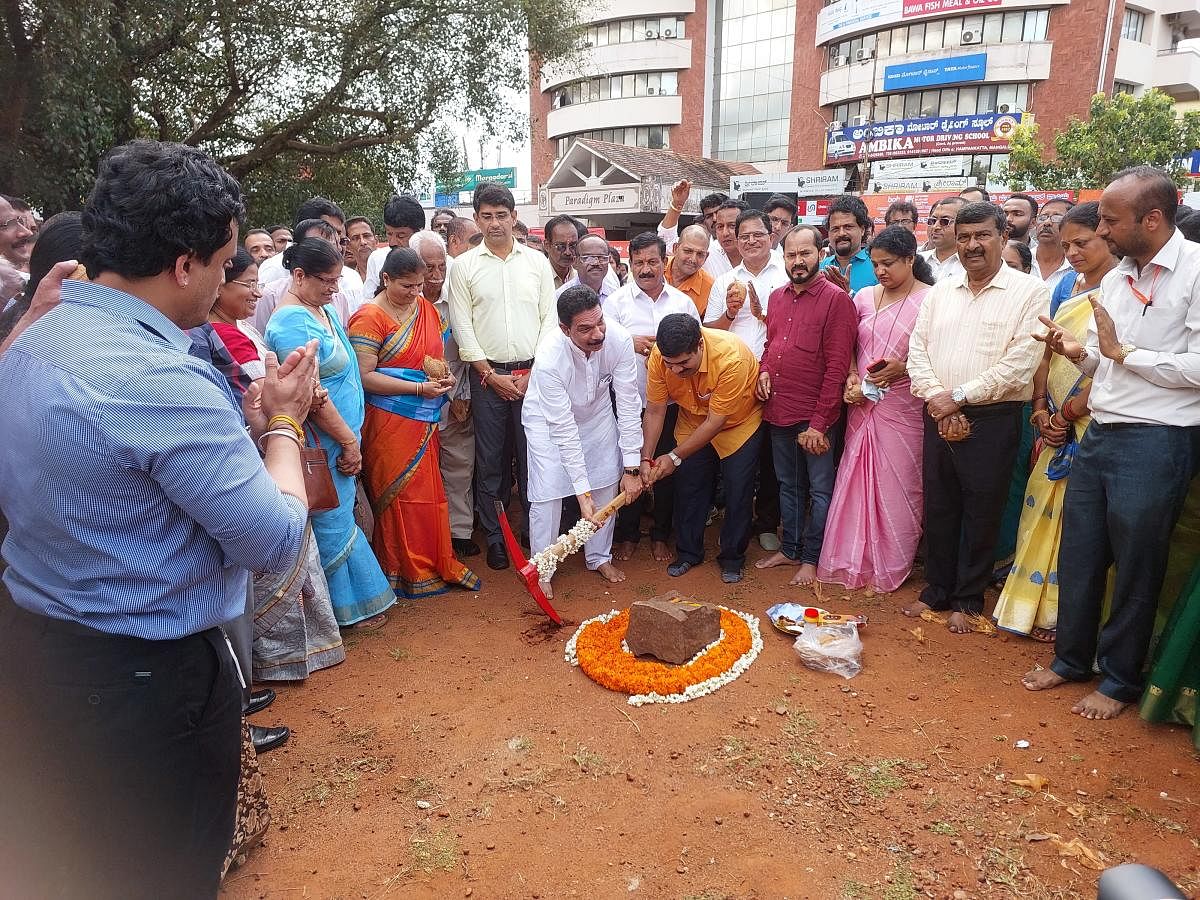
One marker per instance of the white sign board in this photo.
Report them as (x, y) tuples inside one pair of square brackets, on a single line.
[(691, 206), (817, 183), (855, 15), (582, 201), (921, 167), (917, 185)]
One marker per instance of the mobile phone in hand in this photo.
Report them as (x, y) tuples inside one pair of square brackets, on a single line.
[(878, 366)]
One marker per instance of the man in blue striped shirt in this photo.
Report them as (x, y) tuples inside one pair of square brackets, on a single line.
[(137, 505)]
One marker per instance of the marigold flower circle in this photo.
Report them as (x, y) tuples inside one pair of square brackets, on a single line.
[(598, 648)]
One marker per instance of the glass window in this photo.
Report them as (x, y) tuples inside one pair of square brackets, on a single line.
[(855, 46), (912, 105), (987, 98), (971, 23), (626, 31), (930, 102), (883, 43), (934, 32), (670, 83), (968, 97), (840, 112), (627, 86), (993, 28), (916, 37), (600, 37), (679, 28), (606, 88), (895, 108), (653, 82), (1123, 87), (1133, 25), (1006, 95), (1014, 24), (949, 102), (639, 84), (1022, 96), (899, 41)]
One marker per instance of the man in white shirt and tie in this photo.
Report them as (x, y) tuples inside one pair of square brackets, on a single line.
[(1140, 452), (743, 312), (639, 306), (577, 446), (942, 254)]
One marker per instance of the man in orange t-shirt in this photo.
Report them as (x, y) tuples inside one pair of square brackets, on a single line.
[(711, 375), (686, 270)]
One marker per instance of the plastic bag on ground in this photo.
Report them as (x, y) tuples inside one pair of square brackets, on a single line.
[(831, 648)]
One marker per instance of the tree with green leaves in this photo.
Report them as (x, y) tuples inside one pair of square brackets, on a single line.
[(1120, 131), (293, 97)]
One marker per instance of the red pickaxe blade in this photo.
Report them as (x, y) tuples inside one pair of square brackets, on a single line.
[(525, 569)]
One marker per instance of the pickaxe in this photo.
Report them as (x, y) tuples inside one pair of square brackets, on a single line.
[(527, 570)]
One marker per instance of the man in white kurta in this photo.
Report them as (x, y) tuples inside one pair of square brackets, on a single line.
[(577, 446)]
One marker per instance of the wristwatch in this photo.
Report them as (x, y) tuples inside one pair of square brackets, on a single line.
[(633, 470), (675, 459), (959, 396), (1123, 352)]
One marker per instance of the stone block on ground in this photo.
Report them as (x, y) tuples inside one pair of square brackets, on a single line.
[(671, 628)]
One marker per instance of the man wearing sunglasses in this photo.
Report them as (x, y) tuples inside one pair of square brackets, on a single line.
[(942, 254)]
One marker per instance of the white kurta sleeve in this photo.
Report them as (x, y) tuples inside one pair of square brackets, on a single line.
[(629, 402), (560, 420)]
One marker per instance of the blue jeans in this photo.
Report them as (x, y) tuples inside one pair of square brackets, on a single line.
[(1125, 494), (805, 489), (695, 489)]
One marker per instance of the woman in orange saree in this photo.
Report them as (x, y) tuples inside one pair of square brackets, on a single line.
[(395, 335)]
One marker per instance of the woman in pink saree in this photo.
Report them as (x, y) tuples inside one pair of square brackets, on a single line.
[(874, 519)]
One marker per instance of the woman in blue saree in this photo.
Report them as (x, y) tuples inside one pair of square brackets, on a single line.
[(357, 585)]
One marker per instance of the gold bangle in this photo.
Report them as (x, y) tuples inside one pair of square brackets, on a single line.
[(289, 422)]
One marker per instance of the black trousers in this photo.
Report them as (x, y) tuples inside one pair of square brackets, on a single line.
[(695, 487), (629, 518), (766, 494), (966, 489), (119, 759), (1124, 496), (499, 441)]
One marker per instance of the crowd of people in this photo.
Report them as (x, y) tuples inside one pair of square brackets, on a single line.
[(226, 447)]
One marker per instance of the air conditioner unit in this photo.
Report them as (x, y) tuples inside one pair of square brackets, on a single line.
[(668, 33), (858, 121), (651, 35), (1009, 108), (971, 37), (651, 91), (836, 125), (839, 61), (864, 54)]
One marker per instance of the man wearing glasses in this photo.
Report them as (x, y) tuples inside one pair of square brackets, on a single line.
[(15, 245), (902, 213), (738, 303), (592, 268), (782, 213), (942, 254), (562, 242), (1051, 261)]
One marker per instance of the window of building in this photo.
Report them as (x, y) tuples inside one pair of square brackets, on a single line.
[(946, 34), (1133, 26), (626, 31), (612, 87), (655, 137), (957, 101), (1123, 87), (753, 77)]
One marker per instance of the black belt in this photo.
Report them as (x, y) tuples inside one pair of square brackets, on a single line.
[(1118, 426), (993, 409), (509, 366)]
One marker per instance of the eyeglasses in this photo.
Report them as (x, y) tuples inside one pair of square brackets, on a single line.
[(565, 247), (1053, 217), (902, 222), (779, 221), (753, 237), (944, 221), (594, 257), (327, 280), (252, 285), (16, 220)]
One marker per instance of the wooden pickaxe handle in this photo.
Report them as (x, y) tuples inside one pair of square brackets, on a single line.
[(604, 512)]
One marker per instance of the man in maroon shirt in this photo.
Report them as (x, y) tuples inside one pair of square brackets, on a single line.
[(811, 326)]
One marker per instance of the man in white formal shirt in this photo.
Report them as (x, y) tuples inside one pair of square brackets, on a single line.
[(577, 446), (971, 358), (942, 254), (1139, 454), (592, 268), (639, 306), (760, 273)]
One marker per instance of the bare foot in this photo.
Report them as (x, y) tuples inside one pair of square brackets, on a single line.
[(662, 553), (624, 550), (775, 559), (609, 572), (959, 623), (806, 574), (546, 589), (914, 609), (1041, 680), (370, 624), (1097, 706)]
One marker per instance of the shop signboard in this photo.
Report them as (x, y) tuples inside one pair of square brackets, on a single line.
[(934, 136), (471, 179), (853, 16), (817, 183), (934, 72), (919, 167), (918, 185), (617, 199)]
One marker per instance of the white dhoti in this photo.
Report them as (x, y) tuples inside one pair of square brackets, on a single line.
[(545, 525)]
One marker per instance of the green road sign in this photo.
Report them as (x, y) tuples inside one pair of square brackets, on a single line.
[(470, 179)]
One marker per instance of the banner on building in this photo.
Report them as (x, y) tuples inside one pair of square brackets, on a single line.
[(934, 72), (817, 183), (853, 16), (984, 133), (919, 167), (919, 185)]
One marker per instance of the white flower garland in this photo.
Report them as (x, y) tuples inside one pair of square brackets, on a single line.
[(700, 689), (546, 561)]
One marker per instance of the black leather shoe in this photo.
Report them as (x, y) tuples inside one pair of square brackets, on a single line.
[(265, 739), (497, 558), (464, 546), (260, 700)]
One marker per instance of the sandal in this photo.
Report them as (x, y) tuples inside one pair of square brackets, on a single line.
[(1043, 635), (372, 624)]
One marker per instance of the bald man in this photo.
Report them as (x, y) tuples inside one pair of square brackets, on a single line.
[(686, 271)]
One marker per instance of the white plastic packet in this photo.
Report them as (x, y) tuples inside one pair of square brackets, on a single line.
[(831, 648)]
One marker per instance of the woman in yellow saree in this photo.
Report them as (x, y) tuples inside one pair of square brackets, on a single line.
[(398, 338), (1029, 601)]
